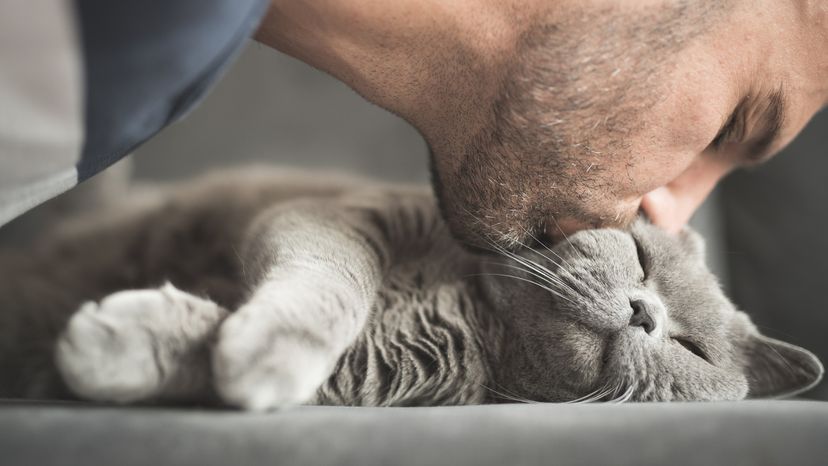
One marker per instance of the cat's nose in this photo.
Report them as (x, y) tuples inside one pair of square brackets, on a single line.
[(643, 315)]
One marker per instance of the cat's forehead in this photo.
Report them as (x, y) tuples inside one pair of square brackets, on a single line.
[(669, 266), (681, 253), (607, 242)]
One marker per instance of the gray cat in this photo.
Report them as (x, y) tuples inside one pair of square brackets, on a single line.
[(262, 290)]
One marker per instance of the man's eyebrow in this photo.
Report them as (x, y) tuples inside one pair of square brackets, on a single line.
[(770, 122)]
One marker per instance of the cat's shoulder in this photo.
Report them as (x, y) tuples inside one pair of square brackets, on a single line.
[(273, 182)]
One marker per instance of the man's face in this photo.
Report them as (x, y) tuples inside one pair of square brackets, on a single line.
[(646, 106)]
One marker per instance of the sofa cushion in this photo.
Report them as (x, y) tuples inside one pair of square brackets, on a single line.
[(748, 433)]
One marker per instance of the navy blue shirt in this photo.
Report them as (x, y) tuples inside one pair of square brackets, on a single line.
[(143, 64)]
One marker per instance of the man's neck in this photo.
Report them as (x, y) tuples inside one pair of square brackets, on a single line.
[(422, 59)]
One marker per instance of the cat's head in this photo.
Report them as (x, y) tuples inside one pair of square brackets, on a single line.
[(634, 315)]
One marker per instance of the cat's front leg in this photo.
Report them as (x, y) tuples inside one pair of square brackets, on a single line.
[(316, 270), (140, 345), (277, 349)]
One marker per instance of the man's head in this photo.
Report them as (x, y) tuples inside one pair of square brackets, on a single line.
[(548, 116), (604, 108)]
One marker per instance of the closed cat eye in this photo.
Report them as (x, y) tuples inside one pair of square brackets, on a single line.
[(642, 258), (692, 347)]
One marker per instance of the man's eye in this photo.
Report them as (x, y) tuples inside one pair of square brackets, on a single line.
[(734, 129), (719, 140), (724, 133)]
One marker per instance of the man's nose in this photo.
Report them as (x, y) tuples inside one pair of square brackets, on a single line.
[(672, 205)]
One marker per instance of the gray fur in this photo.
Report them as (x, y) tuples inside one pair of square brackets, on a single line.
[(263, 289)]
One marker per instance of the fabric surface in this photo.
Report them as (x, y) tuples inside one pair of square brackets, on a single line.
[(741, 433), (148, 62), (83, 83)]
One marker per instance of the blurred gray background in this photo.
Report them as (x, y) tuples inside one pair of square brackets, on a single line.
[(765, 229), (272, 108)]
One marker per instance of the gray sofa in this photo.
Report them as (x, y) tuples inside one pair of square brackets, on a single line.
[(746, 433)]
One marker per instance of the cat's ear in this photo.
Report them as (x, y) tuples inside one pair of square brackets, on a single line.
[(776, 369), (694, 242)]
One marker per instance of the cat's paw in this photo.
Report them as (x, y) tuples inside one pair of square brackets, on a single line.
[(258, 367), (126, 348)]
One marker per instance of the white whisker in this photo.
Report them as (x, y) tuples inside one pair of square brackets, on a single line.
[(534, 266), (543, 278), (626, 395), (509, 397), (560, 265), (566, 237), (542, 270), (594, 396), (554, 292), (554, 276), (586, 398), (548, 249)]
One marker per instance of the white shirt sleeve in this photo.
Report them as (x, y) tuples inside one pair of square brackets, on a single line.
[(41, 103)]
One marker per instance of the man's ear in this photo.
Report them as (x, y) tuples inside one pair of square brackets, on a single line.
[(776, 369)]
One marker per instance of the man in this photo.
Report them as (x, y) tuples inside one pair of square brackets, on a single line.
[(543, 117)]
